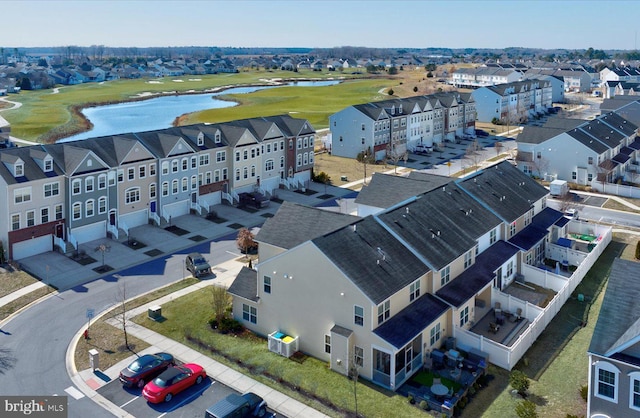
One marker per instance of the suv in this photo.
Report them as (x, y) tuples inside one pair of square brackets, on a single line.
[(236, 406), (255, 199), (197, 265)]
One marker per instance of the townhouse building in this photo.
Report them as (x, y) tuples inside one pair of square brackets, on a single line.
[(614, 351), (384, 290), (398, 125), (66, 194), (602, 150), (575, 79), (514, 102), (484, 76)]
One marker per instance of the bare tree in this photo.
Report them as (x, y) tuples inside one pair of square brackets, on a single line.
[(498, 146), (473, 153), (354, 372), (540, 165), (365, 158), (120, 312), (394, 156), (220, 301)]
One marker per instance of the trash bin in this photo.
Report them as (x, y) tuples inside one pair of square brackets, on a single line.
[(94, 359), (155, 312)]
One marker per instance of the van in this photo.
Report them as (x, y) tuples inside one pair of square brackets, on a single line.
[(238, 406)]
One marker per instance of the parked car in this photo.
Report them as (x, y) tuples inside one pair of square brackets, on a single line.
[(238, 406), (145, 368), (197, 265), (480, 132), (253, 199), (173, 381)]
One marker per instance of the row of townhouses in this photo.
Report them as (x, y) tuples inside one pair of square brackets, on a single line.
[(604, 149), (63, 194), (398, 125), (425, 258)]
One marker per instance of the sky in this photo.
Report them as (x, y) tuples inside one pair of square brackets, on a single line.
[(566, 24)]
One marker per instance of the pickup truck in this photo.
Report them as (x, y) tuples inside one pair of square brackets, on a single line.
[(253, 199)]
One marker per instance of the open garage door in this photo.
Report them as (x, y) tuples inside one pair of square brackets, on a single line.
[(33, 246)]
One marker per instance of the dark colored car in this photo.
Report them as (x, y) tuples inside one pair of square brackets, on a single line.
[(253, 199), (173, 381), (238, 406), (197, 264), (145, 368)]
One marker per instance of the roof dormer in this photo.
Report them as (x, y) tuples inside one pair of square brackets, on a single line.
[(217, 137), (14, 164), (200, 139)]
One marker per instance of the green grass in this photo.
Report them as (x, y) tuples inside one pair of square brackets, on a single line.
[(46, 115), (252, 357), (426, 379)]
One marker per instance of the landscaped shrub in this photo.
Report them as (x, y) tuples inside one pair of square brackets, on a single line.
[(526, 409), (424, 405), (229, 325), (519, 381), (584, 392), (411, 399), (638, 251)]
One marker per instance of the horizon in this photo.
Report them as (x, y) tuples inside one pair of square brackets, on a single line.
[(492, 24)]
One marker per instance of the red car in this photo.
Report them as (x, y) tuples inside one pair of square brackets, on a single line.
[(173, 381)]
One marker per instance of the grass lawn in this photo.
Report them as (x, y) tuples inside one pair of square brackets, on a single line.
[(11, 281), (251, 356)]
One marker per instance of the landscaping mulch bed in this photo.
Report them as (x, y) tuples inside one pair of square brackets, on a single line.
[(325, 196), (176, 230), (134, 244), (197, 238), (267, 215), (248, 209), (216, 219), (307, 192), (103, 269), (153, 253), (83, 259), (235, 226), (277, 200)]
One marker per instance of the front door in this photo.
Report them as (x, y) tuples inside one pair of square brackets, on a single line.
[(194, 197), (112, 218), (60, 231), (408, 357)]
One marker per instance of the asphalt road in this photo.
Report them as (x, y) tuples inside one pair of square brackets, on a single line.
[(36, 340)]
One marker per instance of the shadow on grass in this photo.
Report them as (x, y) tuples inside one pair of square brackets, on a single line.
[(571, 318)]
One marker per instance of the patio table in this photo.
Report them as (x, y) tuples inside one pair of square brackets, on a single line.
[(439, 389)]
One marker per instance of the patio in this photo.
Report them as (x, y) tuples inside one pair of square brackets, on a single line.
[(505, 330)]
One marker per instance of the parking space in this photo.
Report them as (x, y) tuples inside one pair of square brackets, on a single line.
[(595, 201)]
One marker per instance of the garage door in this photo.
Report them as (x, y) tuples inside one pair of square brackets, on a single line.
[(176, 209), (32, 247), (90, 232), (134, 219)]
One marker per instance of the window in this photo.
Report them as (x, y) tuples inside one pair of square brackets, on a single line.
[(165, 167), (89, 208), (268, 148), (19, 169), (435, 335), (216, 176), (174, 166), (574, 175), (249, 313), (120, 176), (77, 211), (75, 187), (299, 142), (384, 311), (165, 188), (358, 315), (102, 205), (185, 164), (225, 174), (207, 177), (268, 165), (152, 191), (185, 184), (152, 169), (305, 142), (467, 260), (102, 182), (201, 139), (414, 291), (132, 195), (634, 385), (31, 218), (237, 174), (267, 284), (281, 146), (194, 162), (291, 144), (607, 375), (492, 237), (174, 186), (15, 222), (44, 215), (88, 184), (464, 316), (245, 172), (253, 153), (512, 229), (358, 355), (142, 171), (590, 160), (194, 182), (253, 171), (299, 160), (112, 178), (445, 275), (217, 138), (22, 195), (58, 212), (51, 189), (327, 344), (245, 154), (221, 156), (589, 177), (131, 173), (48, 164), (237, 155)]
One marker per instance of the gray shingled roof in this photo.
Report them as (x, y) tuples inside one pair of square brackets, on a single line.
[(537, 134), (619, 319), (245, 284), (373, 259), (32, 170), (294, 224), (385, 190)]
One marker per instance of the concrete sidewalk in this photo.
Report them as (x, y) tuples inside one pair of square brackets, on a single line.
[(89, 383)]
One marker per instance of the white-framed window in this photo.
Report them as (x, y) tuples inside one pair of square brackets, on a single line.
[(112, 178), (194, 182), (152, 169), (245, 154), (174, 186), (434, 334), (237, 155), (185, 164), (358, 315), (467, 259), (22, 195), (51, 189), (204, 159), (131, 173), (267, 284), (217, 138), (132, 195), (120, 176), (31, 218), (76, 186), (77, 211), (606, 381), (200, 139), (414, 290), (327, 343), (384, 311), (253, 171), (89, 208), (253, 153), (44, 215), (221, 156), (48, 164), (165, 167), (152, 191), (142, 171), (464, 316), (281, 162), (15, 221), (194, 162), (225, 174), (634, 390), (245, 172), (268, 148), (102, 205), (237, 174), (185, 184), (88, 184), (175, 165), (19, 169), (216, 175), (299, 143), (165, 188), (493, 237), (249, 313), (512, 229), (268, 165), (281, 145), (445, 275), (102, 181), (59, 214), (207, 177), (358, 355), (299, 160)]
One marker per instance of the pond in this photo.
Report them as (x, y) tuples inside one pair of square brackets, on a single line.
[(160, 112)]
